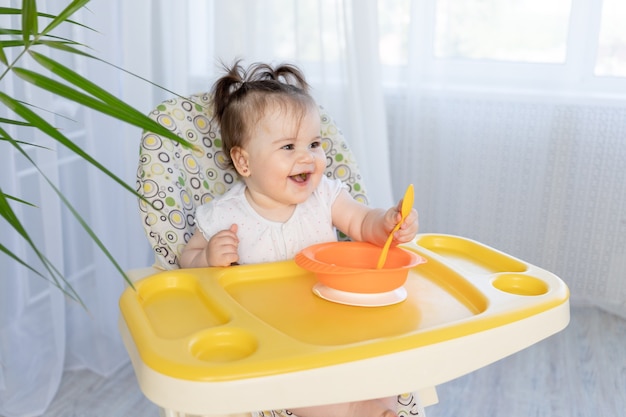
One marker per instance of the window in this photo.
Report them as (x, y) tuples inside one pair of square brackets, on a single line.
[(611, 59), (522, 31), (394, 18), (579, 45)]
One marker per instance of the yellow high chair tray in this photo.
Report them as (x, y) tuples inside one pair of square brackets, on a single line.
[(256, 337)]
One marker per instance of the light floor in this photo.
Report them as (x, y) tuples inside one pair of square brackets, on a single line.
[(578, 372)]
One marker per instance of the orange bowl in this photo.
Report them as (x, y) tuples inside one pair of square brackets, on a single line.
[(351, 266)]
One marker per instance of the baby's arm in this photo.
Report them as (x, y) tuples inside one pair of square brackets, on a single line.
[(220, 250), (362, 223)]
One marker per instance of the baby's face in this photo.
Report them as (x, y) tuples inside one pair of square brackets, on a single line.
[(285, 156)]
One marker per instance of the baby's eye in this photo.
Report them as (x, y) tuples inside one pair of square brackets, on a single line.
[(289, 147), (316, 144)]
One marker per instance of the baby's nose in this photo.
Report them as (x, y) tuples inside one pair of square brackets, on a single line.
[(306, 155)]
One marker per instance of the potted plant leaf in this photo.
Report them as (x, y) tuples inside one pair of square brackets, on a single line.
[(26, 47)]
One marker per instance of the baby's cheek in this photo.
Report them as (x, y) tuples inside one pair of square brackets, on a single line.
[(320, 159)]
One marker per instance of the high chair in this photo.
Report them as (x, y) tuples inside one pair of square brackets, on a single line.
[(175, 180), (224, 341)]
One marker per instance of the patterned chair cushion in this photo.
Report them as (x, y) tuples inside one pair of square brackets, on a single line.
[(174, 180)]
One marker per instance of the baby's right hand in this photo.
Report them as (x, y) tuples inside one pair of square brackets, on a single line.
[(222, 247)]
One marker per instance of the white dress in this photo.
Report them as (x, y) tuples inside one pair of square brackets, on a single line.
[(262, 240)]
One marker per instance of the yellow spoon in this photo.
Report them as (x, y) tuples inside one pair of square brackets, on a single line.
[(407, 205)]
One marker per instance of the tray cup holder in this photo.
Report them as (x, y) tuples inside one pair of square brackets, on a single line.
[(223, 345), (520, 284)]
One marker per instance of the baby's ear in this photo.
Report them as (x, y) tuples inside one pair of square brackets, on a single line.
[(239, 156)]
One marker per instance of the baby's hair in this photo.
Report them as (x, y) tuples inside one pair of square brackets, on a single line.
[(241, 96)]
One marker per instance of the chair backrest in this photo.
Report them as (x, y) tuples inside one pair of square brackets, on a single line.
[(174, 180)]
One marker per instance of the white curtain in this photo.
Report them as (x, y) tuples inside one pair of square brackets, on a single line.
[(526, 157), (43, 333)]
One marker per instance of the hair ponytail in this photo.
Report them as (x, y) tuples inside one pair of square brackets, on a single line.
[(241, 95)]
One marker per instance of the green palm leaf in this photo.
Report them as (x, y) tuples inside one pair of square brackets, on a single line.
[(38, 122), (13, 11), (66, 47), (63, 17), (99, 99), (3, 57), (22, 262), (7, 213), (29, 20), (11, 218), (71, 86)]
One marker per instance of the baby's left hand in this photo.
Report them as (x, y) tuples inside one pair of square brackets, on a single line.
[(408, 229)]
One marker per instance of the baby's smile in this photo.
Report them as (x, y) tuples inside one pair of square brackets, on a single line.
[(302, 177)]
